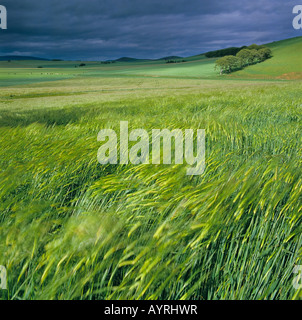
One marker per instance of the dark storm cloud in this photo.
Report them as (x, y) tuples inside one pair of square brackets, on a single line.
[(104, 29)]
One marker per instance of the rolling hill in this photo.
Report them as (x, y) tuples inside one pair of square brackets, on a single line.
[(20, 58), (286, 63)]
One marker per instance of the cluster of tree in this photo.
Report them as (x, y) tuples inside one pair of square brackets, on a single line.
[(176, 61), (107, 62), (232, 51), (224, 52), (80, 65), (245, 57)]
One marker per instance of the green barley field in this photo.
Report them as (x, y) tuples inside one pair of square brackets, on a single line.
[(74, 229)]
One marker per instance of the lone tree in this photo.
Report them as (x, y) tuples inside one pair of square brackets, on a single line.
[(227, 64)]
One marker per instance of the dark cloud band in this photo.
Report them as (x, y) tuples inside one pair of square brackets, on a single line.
[(104, 29)]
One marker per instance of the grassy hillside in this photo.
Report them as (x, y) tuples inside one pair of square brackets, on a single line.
[(286, 63)]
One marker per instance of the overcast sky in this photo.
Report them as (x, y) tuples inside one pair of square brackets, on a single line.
[(110, 29)]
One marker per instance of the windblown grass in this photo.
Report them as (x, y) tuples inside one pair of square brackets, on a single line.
[(73, 229)]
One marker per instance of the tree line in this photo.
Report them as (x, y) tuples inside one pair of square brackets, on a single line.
[(175, 61), (224, 52), (245, 57)]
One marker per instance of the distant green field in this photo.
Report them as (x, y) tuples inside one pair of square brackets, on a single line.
[(74, 229), (285, 65)]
